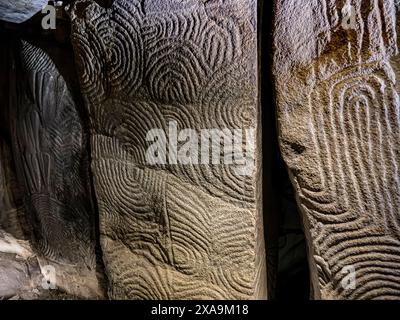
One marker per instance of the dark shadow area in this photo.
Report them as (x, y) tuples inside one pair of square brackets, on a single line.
[(288, 271), (105, 3)]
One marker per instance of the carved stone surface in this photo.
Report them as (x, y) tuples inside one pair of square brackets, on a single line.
[(20, 10), (172, 230), (338, 113), (52, 181)]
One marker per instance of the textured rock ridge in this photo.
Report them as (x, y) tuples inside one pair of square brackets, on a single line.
[(338, 114), (47, 213), (172, 231)]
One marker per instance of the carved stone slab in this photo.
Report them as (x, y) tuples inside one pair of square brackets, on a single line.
[(18, 11), (338, 113), (172, 230), (52, 167)]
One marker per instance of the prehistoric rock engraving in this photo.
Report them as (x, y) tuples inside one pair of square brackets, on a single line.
[(172, 230), (339, 132), (49, 148)]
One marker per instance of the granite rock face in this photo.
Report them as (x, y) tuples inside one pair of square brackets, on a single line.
[(169, 229), (338, 115)]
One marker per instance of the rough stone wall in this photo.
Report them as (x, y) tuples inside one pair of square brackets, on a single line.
[(172, 231), (338, 115)]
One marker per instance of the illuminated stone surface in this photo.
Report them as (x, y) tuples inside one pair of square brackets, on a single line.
[(172, 231), (338, 114)]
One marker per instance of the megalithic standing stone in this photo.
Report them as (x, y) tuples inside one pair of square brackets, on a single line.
[(338, 111), (174, 230), (49, 143)]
